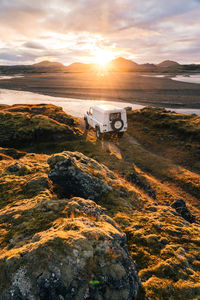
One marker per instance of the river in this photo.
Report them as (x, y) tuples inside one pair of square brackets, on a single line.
[(74, 107), (188, 78)]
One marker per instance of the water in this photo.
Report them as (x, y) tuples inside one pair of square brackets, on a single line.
[(188, 78), (152, 75), (195, 78), (10, 77), (74, 107)]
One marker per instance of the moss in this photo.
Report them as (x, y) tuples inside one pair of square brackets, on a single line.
[(21, 126), (164, 246)]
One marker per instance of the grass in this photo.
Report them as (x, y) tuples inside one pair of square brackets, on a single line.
[(165, 166), (29, 125)]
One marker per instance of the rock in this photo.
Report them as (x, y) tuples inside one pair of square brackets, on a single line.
[(3, 156), (141, 182), (163, 241), (13, 153), (28, 125), (14, 168), (152, 208), (81, 256), (152, 239), (37, 184), (181, 208), (52, 111), (75, 174)]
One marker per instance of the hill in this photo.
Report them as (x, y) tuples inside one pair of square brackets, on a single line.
[(121, 64), (48, 66), (168, 63), (80, 67), (77, 215)]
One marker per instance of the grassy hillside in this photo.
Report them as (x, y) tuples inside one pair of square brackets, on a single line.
[(153, 172)]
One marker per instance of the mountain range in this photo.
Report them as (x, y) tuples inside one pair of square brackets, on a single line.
[(119, 64)]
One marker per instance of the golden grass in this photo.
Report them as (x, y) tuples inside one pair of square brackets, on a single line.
[(165, 247)]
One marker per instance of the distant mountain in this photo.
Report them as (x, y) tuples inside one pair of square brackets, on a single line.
[(119, 64), (47, 63), (80, 67), (147, 65), (122, 64), (168, 63), (50, 65)]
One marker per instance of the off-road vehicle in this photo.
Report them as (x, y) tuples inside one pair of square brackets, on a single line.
[(106, 119)]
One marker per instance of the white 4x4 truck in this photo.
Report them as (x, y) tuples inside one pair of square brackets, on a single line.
[(106, 118)]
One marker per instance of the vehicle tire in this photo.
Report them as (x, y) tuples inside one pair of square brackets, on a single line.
[(117, 124), (98, 133), (120, 134), (86, 124)]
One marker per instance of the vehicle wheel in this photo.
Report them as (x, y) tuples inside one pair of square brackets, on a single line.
[(117, 124), (120, 134), (98, 133), (86, 124)]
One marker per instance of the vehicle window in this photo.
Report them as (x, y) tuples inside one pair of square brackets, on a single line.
[(115, 116), (90, 111)]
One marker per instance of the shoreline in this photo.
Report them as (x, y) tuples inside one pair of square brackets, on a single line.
[(83, 97), (147, 91)]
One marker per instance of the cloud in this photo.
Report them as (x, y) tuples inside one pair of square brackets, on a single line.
[(144, 30), (33, 45)]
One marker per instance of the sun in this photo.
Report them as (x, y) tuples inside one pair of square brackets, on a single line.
[(102, 56)]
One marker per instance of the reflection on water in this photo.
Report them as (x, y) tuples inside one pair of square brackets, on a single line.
[(153, 75), (188, 78), (10, 77), (74, 107), (194, 78)]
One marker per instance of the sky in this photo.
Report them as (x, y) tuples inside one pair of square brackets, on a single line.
[(70, 31)]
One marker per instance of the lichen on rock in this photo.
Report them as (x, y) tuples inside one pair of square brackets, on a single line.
[(60, 248), (81, 256), (75, 174)]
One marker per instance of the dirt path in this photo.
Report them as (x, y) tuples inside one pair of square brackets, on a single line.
[(133, 140), (111, 146)]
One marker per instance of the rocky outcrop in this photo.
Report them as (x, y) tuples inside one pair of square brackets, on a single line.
[(12, 153), (60, 248), (36, 123), (181, 208), (53, 112), (75, 174), (82, 255)]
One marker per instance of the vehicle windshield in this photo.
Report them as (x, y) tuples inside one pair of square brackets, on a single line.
[(114, 116)]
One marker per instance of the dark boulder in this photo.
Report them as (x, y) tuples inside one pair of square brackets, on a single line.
[(73, 175), (181, 208), (140, 181), (13, 153)]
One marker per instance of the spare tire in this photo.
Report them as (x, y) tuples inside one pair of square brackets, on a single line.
[(117, 124)]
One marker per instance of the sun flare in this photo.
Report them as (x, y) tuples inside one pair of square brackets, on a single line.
[(102, 56)]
